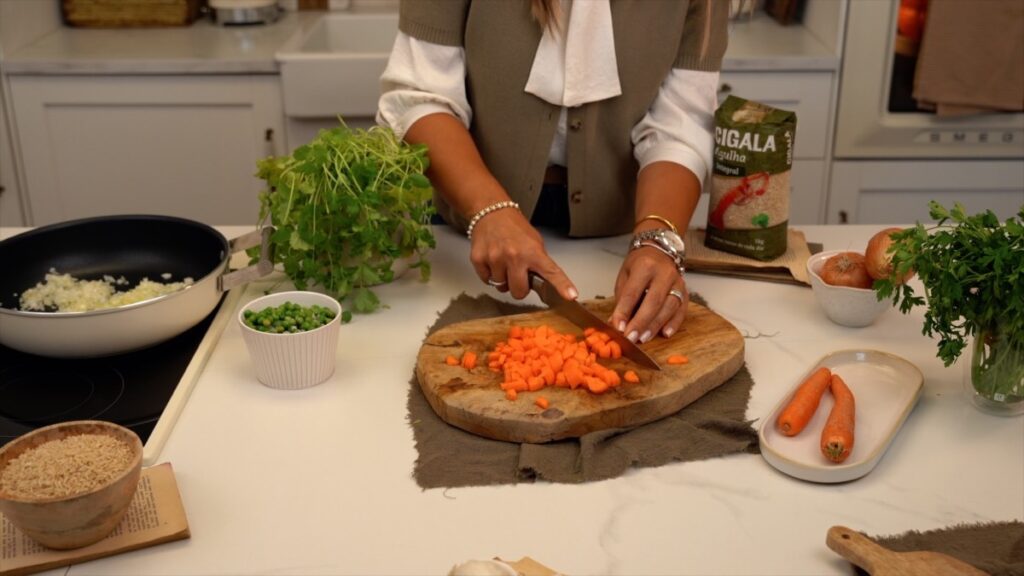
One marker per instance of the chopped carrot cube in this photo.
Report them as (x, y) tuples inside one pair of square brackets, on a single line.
[(451, 361), (542, 402), (615, 349), (677, 359)]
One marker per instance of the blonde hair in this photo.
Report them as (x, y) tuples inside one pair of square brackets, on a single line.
[(545, 12)]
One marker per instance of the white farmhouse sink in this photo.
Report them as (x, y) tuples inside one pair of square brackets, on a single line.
[(333, 67)]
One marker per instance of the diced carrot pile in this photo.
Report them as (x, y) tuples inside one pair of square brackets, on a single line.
[(533, 358)]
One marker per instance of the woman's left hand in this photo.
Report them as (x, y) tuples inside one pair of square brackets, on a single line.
[(664, 303)]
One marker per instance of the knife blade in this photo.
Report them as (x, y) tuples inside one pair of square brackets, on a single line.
[(575, 312)]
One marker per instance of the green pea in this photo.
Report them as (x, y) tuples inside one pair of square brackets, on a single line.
[(288, 317)]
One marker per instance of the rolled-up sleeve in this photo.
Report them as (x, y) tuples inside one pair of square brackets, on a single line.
[(679, 125), (422, 78)]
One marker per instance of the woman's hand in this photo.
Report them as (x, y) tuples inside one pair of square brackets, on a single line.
[(506, 248), (664, 304)]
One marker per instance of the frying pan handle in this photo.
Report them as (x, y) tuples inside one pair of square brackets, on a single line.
[(265, 265)]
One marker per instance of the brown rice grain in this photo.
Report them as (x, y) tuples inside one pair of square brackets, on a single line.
[(72, 465)]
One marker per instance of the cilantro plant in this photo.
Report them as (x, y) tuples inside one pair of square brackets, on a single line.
[(345, 207), (972, 268)]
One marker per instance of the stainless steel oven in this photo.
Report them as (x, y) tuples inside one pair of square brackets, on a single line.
[(890, 158), (874, 118)]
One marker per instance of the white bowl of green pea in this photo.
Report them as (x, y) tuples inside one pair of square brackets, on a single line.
[(292, 338)]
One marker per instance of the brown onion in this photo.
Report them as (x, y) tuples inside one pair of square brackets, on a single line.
[(877, 259), (846, 269)]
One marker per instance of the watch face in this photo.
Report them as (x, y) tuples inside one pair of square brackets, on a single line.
[(673, 241)]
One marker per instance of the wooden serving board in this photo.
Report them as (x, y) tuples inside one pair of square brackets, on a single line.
[(474, 401)]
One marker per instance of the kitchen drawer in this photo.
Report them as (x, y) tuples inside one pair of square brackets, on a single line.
[(809, 94), (897, 192)]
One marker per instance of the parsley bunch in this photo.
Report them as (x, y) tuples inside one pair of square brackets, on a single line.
[(346, 206), (972, 268)]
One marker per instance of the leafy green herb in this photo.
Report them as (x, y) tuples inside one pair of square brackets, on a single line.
[(346, 206), (972, 268)]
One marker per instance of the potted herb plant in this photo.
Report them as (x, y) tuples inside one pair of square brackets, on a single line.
[(972, 268), (350, 208)]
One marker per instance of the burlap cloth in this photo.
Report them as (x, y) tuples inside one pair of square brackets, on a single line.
[(713, 426), (996, 548)]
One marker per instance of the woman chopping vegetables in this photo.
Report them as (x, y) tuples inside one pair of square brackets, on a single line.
[(590, 117)]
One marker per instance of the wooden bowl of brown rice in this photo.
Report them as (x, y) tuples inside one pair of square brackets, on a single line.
[(69, 485)]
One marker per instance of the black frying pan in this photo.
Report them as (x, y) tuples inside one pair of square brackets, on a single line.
[(134, 247)]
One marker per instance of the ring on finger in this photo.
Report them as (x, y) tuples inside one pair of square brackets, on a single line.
[(496, 283), (678, 294)]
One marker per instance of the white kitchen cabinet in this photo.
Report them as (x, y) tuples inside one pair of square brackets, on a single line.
[(182, 145), (299, 131), (809, 95), (10, 201), (897, 192)]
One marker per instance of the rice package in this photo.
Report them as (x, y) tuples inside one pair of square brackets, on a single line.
[(750, 180)]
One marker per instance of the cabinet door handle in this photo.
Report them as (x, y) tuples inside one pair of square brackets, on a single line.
[(725, 89), (844, 217), (268, 138)]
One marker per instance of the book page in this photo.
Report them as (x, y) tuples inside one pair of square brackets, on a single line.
[(155, 515)]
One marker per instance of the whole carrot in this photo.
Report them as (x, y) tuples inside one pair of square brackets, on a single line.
[(804, 403), (837, 435)]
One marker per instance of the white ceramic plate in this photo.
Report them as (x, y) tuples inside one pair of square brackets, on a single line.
[(885, 388)]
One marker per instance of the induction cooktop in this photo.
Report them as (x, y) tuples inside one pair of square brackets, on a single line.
[(144, 390)]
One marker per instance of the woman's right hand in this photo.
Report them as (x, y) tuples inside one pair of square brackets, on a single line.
[(505, 248)]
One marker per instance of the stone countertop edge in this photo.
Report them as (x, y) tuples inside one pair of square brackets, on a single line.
[(755, 45)]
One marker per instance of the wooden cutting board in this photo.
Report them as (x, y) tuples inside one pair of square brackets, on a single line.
[(473, 400), (880, 561)]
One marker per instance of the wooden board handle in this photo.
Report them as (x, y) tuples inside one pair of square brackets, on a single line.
[(857, 548)]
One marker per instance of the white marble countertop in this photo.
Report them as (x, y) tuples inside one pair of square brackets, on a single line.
[(319, 481), (757, 44)]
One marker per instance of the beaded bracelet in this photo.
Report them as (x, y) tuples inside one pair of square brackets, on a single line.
[(487, 210), (661, 219)]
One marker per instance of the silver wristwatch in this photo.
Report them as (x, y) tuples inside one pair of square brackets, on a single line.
[(665, 240)]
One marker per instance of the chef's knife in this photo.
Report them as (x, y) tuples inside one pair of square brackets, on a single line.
[(575, 312)]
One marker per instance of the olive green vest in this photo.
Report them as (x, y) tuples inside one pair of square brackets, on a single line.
[(514, 129)]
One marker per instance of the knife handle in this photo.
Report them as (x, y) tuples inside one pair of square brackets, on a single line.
[(537, 282)]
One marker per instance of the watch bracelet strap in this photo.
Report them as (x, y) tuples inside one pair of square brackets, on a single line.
[(649, 234), (638, 243)]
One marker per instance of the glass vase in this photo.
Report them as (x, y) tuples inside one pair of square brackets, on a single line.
[(994, 378)]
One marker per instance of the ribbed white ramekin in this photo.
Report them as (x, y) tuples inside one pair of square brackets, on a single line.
[(293, 361)]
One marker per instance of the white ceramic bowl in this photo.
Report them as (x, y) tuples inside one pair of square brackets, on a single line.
[(854, 307), (293, 360)]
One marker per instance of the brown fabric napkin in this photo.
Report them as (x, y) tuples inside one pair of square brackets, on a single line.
[(448, 457), (995, 547), (970, 58)]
